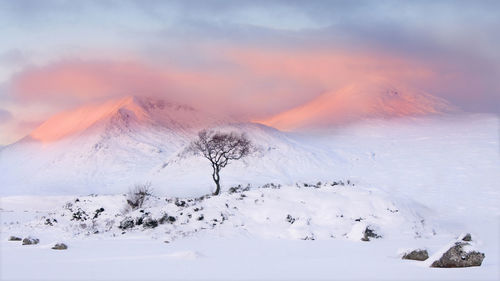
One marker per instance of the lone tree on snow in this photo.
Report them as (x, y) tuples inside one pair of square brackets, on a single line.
[(220, 148)]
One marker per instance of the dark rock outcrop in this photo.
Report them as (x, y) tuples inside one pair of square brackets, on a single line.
[(457, 256), (15, 238)]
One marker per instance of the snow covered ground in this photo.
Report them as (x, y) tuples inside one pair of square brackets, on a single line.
[(418, 183)]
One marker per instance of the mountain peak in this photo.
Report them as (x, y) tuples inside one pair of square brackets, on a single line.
[(143, 110)]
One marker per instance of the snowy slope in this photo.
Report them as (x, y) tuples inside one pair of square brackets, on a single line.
[(279, 158), (271, 232)]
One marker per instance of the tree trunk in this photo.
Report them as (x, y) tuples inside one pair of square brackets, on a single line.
[(216, 177)]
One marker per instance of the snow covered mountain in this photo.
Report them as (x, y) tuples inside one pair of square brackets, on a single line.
[(109, 147), (374, 98), (130, 114), (106, 148)]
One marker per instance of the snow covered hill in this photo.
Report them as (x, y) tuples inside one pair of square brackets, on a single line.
[(322, 230), (331, 210)]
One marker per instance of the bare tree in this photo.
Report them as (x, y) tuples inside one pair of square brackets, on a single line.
[(220, 148)]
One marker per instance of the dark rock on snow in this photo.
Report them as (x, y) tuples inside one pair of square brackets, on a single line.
[(60, 246), (127, 223), (15, 238), (163, 219), (150, 223), (30, 241), (457, 256), (417, 255), (167, 219), (139, 220)]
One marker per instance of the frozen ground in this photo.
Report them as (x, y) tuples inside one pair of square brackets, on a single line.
[(445, 172)]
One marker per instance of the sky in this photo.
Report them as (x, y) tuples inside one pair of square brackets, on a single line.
[(250, 59)]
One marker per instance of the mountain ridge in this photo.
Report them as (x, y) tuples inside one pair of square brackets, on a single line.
[(375, 98), (128, 112)]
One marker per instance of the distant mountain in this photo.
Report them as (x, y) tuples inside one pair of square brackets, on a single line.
[(374, 98), (108, 147), (122, 116)]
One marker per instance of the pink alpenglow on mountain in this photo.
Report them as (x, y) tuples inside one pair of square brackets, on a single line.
[(131, 112), (370, 99)]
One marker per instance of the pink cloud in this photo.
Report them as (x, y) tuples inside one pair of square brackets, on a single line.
[(83, 81), (249, 83)]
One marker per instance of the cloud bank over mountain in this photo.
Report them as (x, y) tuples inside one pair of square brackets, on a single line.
[(252, 60)]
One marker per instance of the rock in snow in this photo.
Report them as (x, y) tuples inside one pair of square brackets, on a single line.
[(417, 255), (15, 238), (127, 223), (30, 241), (459, 255), (60, 246)]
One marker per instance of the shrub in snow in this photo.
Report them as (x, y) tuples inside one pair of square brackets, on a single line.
[(60, 246), (15, 238), (30, 241), (459, 255), (234, 189), (269, 185), (80, 215), (239, 188), (50, 222), (137, 196), (417, 255), (369, 233), (180, 203)]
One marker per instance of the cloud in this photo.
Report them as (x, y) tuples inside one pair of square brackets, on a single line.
[(251, 59), (248, 82), (5, 116), (81, 81), (234, 89)]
